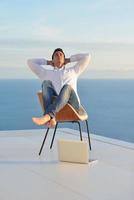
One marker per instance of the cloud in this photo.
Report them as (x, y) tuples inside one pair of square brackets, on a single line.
[(5, 29), (47, 32), (41, 29), (37, 28)]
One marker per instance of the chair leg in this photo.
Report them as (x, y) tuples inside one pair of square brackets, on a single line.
[(43, 141), (53, 135), (80, 130), (89, 141)]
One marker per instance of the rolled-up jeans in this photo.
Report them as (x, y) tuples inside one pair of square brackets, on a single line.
[(54, 105)]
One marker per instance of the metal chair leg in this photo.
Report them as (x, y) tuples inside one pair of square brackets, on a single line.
[(79, 130), (89, 141), (53, 135), (43, 141)]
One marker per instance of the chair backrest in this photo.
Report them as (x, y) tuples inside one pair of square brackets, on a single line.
[(67, 113), (40, 97)]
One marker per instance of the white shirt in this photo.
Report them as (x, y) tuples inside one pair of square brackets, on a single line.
[(61, 76)]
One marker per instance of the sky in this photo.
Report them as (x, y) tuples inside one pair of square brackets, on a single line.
[(104, 28)]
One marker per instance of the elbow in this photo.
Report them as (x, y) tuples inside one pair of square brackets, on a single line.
[(29, 62)]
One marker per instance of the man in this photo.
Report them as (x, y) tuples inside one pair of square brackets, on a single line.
[(60, 82)]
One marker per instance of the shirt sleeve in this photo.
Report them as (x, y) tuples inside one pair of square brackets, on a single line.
[(82, 61), (36, 66)]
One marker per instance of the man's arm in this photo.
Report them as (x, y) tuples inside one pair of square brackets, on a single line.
[(36, 66), (50, 62), (67, 60), (82, 62)]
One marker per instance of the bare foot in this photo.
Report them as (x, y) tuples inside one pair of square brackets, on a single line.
[(41, 120), (51, 123)]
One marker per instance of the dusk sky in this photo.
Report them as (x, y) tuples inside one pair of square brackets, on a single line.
[(104, 28)]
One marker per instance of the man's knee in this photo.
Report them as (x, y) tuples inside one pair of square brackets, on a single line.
[(67, 86), (46, 83)]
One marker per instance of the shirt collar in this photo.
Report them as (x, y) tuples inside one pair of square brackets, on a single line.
[(59, 69)]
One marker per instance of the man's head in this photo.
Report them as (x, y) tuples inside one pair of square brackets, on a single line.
[(58, 57)]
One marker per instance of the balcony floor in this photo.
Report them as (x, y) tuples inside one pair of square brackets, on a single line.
[(24, 175)]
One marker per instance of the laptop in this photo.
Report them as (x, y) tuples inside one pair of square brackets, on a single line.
[(73, 151)]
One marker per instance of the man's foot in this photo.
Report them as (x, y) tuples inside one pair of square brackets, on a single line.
[(51, 123), (41, 120)]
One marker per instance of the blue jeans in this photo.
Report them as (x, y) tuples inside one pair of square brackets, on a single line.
[(54, 105)]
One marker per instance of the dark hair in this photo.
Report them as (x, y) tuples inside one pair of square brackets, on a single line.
[(58, 49)]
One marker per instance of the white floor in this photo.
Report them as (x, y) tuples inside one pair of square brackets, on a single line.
[(26, 176)]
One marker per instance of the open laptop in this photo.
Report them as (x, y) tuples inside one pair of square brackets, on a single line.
[(73, 151)]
